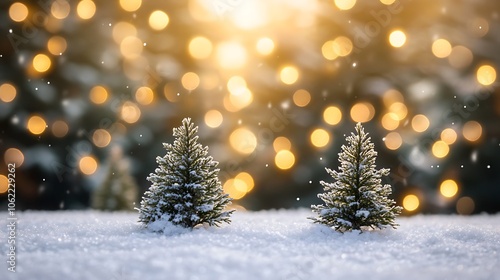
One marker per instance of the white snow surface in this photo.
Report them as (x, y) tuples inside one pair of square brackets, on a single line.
[(280, 244)]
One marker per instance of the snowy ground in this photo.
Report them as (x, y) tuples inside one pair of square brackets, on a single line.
[(257, 245)]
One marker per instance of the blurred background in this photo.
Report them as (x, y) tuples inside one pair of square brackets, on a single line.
[(89, 90)]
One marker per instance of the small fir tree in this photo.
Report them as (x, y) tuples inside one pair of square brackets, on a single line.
[(185, 188), (356, 199)]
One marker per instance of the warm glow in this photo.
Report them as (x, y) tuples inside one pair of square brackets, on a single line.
[(130, 5), (60, 128), (472, 131), (247, 179), (342, 46), (328, 50), (101, 138), (243, 141), (411, 202), (448, 188), (158, 20), (397, 38), (235, 188), (36, 125), (144, 95), (301, 97), (465, 206), (281, 143), (60, 9), (362, 112), (122, 30), (320, 137), (236, 85), (98, 94), (420, 123), (130, 112), (440, 149), (4, 184), (200, 47), (57, 45), (393, 141), (18, 12), (88, 165), (236, 102), (387, 2), (486, 75), (213, 118), (7, 92), (449, 136), (265, 46), (460, 57), (289, 75), (231, 55), (13, 155), (391, 96), (41, 62), (131, 47), (332, 115), (399, 109), (390, 121), (85, 9), (284, 159), (190, 81), (345, 4), (441, 48)]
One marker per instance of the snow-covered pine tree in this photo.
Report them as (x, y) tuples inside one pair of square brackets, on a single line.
[(356, 199), (185, 188)]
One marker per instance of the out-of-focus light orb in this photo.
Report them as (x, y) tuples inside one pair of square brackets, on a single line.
[(472, 131), (362, 112), (86, 9), (88, 165), (448, 188), (342, 46), (284, 159), (243, 141), (190, 81), (460, 57), (479, 27), (231, 55), (397, 38), (122, 30), (441, 48), (393, 141), (449, 136), (390, 121), (289, 75), (265, 46), (486, 75), (98, 95), (213, 118), (144, 95), (41, 63), (57, 45), (328, 50), (4, 184), (200, 47), (345, 4), (130, 5), (399, 109), (13, 155), (420, 123), (440, 149), (101, 138), (36, 125), (158, 20), (281, 143), (387, 2), (465, 206), (130, 113), (301, 97), (238, 101), (60, 128), (7, 92), (332, 115), (233, 189), (236, 85), (131, 47), (18, 12), (60, 9), (391, 96), (411, 202), (247, 178), (320, 138)]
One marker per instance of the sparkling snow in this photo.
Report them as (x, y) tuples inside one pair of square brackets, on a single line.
[(257, 245)]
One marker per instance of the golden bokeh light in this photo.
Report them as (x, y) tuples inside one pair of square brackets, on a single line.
[(247, 179), (13, 155), (86, 9), (441, 48), (486, 75), (235, 188), (420, 123), (342, 46), (390, 121), (41, 63), (362, 112), (448, 188), (472, 131), (387, 2), (236, 85), (241, 100), (130, 5), (284, 159), (399, 109), (397, 38), (101, 138), (18, 12), (411, 202), (158, 20), (36, 125), (328, 50), (122, 30), (281, 143), (320, 138), (440, 149), (231, 55), (88, 165), (131, 47), (144, 95), (7, 92), (190, 80), (345, 4), (98, 94), (301, 97), (289, 75), (265, 46), (4, 184), (60, 9), (243, 141), (57, 45), (479, 27), (60, 128), (465, 206), (200, 47), (130, 112), (332, 115), (391, 96), (449, 136), (393, 141), (213, 118), (460, 57)]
